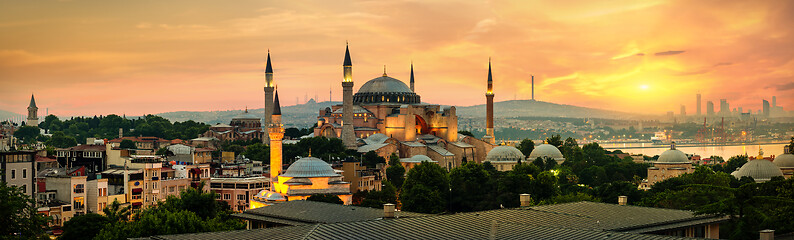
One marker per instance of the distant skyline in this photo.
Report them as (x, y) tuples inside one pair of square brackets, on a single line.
[(134, 58)]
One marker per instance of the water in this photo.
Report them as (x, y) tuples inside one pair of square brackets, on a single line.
[(726, 152)]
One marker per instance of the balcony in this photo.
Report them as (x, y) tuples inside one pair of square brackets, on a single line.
[(155, 178)]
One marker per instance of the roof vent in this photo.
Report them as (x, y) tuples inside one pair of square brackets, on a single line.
[(388, 210), (767, 234), (525, 199), (622, 200)]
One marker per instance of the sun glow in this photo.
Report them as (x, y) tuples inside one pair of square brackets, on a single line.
[(644, 87)]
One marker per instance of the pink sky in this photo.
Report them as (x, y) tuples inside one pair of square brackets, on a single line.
[(103, 57)]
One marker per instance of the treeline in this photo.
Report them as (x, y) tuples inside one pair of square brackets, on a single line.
[(70, 132)]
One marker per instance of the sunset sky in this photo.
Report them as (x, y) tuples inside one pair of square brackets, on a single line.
[(138, 57)]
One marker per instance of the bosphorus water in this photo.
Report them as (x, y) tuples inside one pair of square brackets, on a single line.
[(726, 152)]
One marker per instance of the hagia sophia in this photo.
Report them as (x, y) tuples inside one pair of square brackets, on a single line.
[(385, 116)]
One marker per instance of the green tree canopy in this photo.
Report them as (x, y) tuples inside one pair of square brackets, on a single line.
[(526, 146), (27, 134), (470, 189), (426, 189), (20, 219), (83, 226), (127, 144), (371, 159), (61, 140), (395, 173)]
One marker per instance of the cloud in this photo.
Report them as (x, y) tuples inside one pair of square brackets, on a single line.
[(785, 87), (667, 53)]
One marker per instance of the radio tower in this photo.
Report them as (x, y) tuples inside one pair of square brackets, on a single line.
[(701, 136)]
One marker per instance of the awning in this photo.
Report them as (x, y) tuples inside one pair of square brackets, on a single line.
[(137, 190), (137, 204)]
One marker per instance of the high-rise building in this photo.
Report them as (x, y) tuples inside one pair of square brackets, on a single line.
[(33, 113), (489, 133), (533, 87), (698, 105), (725, 109), (774, 101), (683, 111), (269, 87), (348, 136), (710, 108), (765, 108)]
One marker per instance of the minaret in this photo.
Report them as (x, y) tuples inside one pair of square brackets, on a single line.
[(268, 96), (348, 134), (33, 113), (412, 77), (276, 133), (489, 135)]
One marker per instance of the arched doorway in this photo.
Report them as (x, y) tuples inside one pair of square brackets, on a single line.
[(421, 126)]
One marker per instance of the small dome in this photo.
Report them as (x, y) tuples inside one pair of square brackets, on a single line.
[(384, 84), (760, 170), (673, 156), (421, 158), (376, 138), (310, 167), (505, 154), (785, 160), (546, 151)]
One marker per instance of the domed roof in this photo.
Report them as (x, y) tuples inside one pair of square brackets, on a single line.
[(673, 156), (784, 160), (759, 169), (546, 151), (384, 84), (310, 167), (246, 115), (504, 153)]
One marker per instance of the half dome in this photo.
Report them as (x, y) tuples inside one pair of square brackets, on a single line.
[(310, 167), (504, 154)]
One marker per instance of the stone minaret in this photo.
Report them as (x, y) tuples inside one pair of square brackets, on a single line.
[(268, 97), (348, 134), (33, 113), (412, 77), (276, 133), (489, 135)]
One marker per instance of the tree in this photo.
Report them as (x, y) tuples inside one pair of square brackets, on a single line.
[(20, 219), (376, 199), (469, 188), (257, 152), (572, 197), (60, 140), (371, 159), (324, 197), (526, 146), (83, 226), (115, 213), (540, 163), (395, 172), (426, 189), (554, 140), (127, 144), (27, 134), (162, 151), (734, 163)]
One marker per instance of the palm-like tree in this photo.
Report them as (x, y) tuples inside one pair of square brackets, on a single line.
[(116, 213)]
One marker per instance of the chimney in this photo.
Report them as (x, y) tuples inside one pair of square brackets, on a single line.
[(525, 199), (622, 200), (767, 234), (388, 210)]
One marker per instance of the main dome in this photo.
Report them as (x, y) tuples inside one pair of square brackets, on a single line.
[(385, 89), (673, 156), (310, 167)]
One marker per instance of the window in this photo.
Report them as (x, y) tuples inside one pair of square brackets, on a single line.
[(25, 188), (171, 189), (13, 173), (24, 173), (240, 197), (227, 196)]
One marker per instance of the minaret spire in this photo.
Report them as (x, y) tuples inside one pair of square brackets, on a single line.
[(269, 88), (348, 134), (489, 131), (412, 77)]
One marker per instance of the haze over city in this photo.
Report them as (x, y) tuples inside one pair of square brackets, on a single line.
[(99, 58)]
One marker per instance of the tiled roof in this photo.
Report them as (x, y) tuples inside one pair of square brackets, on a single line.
[(623, 218), (88, 148), (320, 212)]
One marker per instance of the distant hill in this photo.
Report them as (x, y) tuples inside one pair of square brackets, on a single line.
[(530, 108), (300, 116), (305, 115)]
